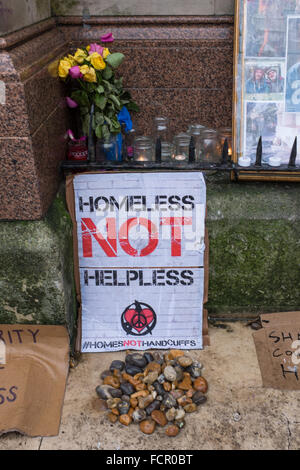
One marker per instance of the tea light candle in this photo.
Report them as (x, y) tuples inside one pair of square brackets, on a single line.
[(244, 161), (142, 158), (274, 161), (180, 157)]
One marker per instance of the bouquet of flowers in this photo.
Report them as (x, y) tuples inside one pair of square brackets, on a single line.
[(90, 72)]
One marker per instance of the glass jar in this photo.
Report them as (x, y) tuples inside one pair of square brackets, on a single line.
[(223, 134), (161, 128), (196, 130), (143, 149), (209, 146), (182, 144), (167, 150), (108, 149)]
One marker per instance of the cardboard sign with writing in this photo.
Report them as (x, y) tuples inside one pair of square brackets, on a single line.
[(278, 350), (34, 361), (140, 260)]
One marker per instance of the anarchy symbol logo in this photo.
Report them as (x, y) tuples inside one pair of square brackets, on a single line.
[(138, 319)]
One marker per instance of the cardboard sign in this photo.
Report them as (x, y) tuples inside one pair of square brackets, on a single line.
[(34, 362), (141, 248), (278, 350)]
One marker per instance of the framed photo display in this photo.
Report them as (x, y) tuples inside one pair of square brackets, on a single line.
[(267, 83)]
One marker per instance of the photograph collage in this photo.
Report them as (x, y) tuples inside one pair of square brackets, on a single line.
[(271, 85)]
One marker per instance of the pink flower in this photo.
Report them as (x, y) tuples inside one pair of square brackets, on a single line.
[(107, 37), (71, 103), (74, 72), (70, 134), (96, 48)]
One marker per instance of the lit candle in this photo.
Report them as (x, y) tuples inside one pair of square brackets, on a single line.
[(180, 157), (142, 158), (244, 161)]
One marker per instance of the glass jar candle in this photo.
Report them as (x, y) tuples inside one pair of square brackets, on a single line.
[(209, 146), (196, 130), (167, 150), (182, 144), (161, 128), (108, 149), (223, 134), (143, 149)]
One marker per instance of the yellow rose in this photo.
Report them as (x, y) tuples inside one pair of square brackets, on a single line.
[(63, 68), (80, 55), (89, 74), (71, 59), (88, 48), (105, 53), (97, 61)]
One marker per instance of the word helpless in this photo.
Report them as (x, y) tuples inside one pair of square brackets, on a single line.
[(156, 277)]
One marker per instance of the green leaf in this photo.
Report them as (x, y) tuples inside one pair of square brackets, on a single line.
[(99, 118), (107, 73), (85, 124), (115, 100), (100, 101), (107, 85), (114, 60), (105, 132), (100, 89), (81, 97), (98, 131), (132, 106)]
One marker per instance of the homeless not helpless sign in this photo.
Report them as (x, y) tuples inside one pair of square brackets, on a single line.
[(139, 258)]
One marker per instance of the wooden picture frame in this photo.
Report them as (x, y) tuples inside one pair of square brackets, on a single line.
[(266, 97)]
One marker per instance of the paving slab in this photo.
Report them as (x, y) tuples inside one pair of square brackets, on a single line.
[(239, 413)]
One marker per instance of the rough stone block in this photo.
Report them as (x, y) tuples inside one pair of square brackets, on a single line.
[(36, 270)]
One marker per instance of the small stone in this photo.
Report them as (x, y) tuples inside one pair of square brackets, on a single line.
[(189, 393), (134, 402), (123, 407), (132, 370), (200, 385), (148, 356), (103, 392), (255, 326), (177, 393), (175, 353), (141, 393), (155, 405), (190, 408), (195, 369), (137, 360), (161, 378), (180, 424), (112, 381), (180, 414), (112, 417), (186, 383), (184, 361), (138, 415), (138, 377), (199, 398), (159, 417), (117, 365), (130, 412), (182, 401), (151, 367), (159, 388), (167, 386), (169, 401), (125, 419), (179, 373), (158, 357), (145, 401), (172, 430), (115, 392), (170, 414), (115, 411), (113, 402), (159, 397), (105, 373), (151, 377), (140, 386), (148, 426), (236, 416), (170, 373), (127, 388)]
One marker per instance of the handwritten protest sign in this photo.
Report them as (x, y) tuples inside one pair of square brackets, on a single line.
[(34, 363), (278, 350)]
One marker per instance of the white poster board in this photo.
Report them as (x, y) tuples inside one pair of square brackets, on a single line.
[(141, 259)]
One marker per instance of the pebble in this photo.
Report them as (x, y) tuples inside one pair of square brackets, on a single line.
[(151, 377), (145, 401), (167, 386), (170, 373), (104, 374), (184, 361), (123, 407), (125, 398), (152, 366), (137, 360), (177, 393), (180, 414), (103, 392), (113, 402), (175, 353), (200, 385), (132, 370), (117, 365), (134, 402), (161, 378), (180, 424), (139, 415), (190, 408), (172, 430), (155, 405), (127, 388), (186, 383), (148, 356), (141, 393), (115, 392), (125, 419), (195, 369), (184, 400), (179, 373), (158, 357), (112, 381), (199, 398), (159, 417), (169, 401), (148, 426), (112, 417), (159, 388), (170, 414)]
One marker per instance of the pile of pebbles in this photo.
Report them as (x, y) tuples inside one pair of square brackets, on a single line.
[(153, 389)]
